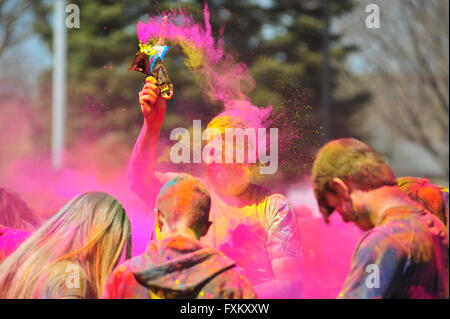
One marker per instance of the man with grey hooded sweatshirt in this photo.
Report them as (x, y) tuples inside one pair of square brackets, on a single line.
[(177, 265)]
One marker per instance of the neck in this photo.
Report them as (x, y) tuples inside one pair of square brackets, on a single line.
[(185, 232), (378, 201)]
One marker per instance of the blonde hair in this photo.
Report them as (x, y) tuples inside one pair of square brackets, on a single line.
[(92, 231)]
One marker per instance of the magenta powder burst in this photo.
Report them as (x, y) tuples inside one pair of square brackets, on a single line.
[(224, 79)]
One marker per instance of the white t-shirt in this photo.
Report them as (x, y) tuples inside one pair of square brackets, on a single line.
[(262, 229)]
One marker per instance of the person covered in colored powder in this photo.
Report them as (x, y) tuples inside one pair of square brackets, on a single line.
[(251, 225), (432, 197), (17, 221), (177, 265), (72, 254), (404, 253)]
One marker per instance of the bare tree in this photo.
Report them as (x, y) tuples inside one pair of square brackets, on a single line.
[(408, 73), (13, 26)]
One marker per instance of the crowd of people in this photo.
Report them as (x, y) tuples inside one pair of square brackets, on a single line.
[(222, 236)]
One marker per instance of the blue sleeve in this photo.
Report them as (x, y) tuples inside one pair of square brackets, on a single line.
[(377, 268)]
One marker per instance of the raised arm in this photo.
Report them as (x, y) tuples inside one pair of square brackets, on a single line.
[(141, 168)]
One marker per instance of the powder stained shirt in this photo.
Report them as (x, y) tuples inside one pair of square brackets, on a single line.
[(178, 268), (406, 256), (254, 234)]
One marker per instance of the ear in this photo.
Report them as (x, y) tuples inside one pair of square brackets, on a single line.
[(159, 220), (342, 190)]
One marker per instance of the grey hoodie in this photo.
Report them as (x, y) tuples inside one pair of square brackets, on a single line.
[(178, 267)]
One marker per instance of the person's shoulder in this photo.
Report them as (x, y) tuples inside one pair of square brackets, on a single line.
[(387, 237), (376, 235), (278, 207), (407, 219), (129, 266), (271, 199), (278, 200), (232, 284), (122, 283), (379, 247), (275, 208)]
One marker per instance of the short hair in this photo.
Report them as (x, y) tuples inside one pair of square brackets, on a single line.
[(422, 191), (15, 213), (352, 161), (184, 202)]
